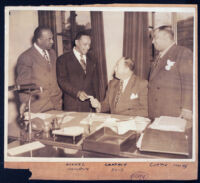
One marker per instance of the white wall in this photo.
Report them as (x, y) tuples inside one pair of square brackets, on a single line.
[(113, 33), (21, 28)]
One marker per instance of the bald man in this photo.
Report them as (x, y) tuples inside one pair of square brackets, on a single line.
[(126, 94), (170, 82)]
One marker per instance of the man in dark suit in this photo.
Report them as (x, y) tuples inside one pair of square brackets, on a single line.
[(126, 94), (76, 75), (38, 65), (170, 82)]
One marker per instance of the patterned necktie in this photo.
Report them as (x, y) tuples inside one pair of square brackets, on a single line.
[(83, 64), (46, 56), (119, 93), (156, 61)]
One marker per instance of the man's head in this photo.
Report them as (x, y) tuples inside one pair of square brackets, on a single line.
[(43, 37), (163, 37), (82, 42), (124, 68)]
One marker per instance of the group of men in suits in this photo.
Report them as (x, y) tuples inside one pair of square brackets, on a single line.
[(168, 92)]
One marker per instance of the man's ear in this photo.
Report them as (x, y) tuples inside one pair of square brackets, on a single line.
[(38, 41), (76, 42)]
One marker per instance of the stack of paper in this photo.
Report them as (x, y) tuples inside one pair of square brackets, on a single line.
[(96, 117), (168, 123), (121, 127)]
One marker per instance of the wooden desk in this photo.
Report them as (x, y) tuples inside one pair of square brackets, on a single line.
[(61, 149)]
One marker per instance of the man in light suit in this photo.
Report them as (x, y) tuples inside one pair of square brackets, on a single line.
[(170, 82), (126, 94), (38, 65), (76, 73)]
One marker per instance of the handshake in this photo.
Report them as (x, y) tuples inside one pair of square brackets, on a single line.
[(94, 102)]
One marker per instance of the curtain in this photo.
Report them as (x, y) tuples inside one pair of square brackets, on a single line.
[(48, 19), (98, 48), (136, 41)]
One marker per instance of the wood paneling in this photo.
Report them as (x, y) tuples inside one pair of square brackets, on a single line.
[(185, 33)]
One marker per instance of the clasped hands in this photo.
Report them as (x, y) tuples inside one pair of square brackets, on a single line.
[(94, 102)]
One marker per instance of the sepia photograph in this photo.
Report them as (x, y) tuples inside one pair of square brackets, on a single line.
[(108, 87)]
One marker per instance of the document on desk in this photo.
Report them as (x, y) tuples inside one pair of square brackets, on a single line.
[(168, 123), (25, 148), (37, 115), (66, 119), (125, 126), (96, 117)]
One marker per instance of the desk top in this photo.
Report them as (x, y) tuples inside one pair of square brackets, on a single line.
[(54, 148)]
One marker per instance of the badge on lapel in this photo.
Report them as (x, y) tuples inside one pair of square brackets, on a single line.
[(133, 96), (169, 65)]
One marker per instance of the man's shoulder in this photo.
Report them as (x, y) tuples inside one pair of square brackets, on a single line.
[(26, 55), (27, 51), (180, 49), (141, 81), (66, 55), (113, 81)]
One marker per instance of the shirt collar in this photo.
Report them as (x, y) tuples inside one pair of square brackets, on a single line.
[(38, 49), (126, 80), (165, 51), (78, 54)]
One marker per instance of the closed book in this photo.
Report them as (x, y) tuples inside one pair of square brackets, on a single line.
[(165, 142)]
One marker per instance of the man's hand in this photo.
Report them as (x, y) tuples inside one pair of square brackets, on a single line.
[(82, 95), (95, 104), (22, 109)]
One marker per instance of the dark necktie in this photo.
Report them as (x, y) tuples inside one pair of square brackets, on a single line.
[(119, 93), (83, 64), (46, 56)]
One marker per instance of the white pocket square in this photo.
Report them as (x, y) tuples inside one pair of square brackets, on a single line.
[(133, 96), (169, 65)]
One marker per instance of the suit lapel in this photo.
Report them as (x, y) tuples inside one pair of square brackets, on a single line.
[(89, 66), (77, 63), (41, 60), (113, 93), (130, 88), (162, 62)]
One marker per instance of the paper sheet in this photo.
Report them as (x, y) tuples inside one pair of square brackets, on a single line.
[(139, 142), (95, 117), (25, 148), (66, 119), (168, 123), (39, 115)]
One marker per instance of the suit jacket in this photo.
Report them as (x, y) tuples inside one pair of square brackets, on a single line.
[(33, 68), (72, 79), (127, 105), (170, 90)]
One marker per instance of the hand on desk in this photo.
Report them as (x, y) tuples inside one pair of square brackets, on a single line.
[(95, 104)]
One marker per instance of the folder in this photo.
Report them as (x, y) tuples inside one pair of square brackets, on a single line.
[(165, 142)]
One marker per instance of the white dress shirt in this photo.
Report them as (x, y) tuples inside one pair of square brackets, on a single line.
[(41, 50), (78, 55)]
